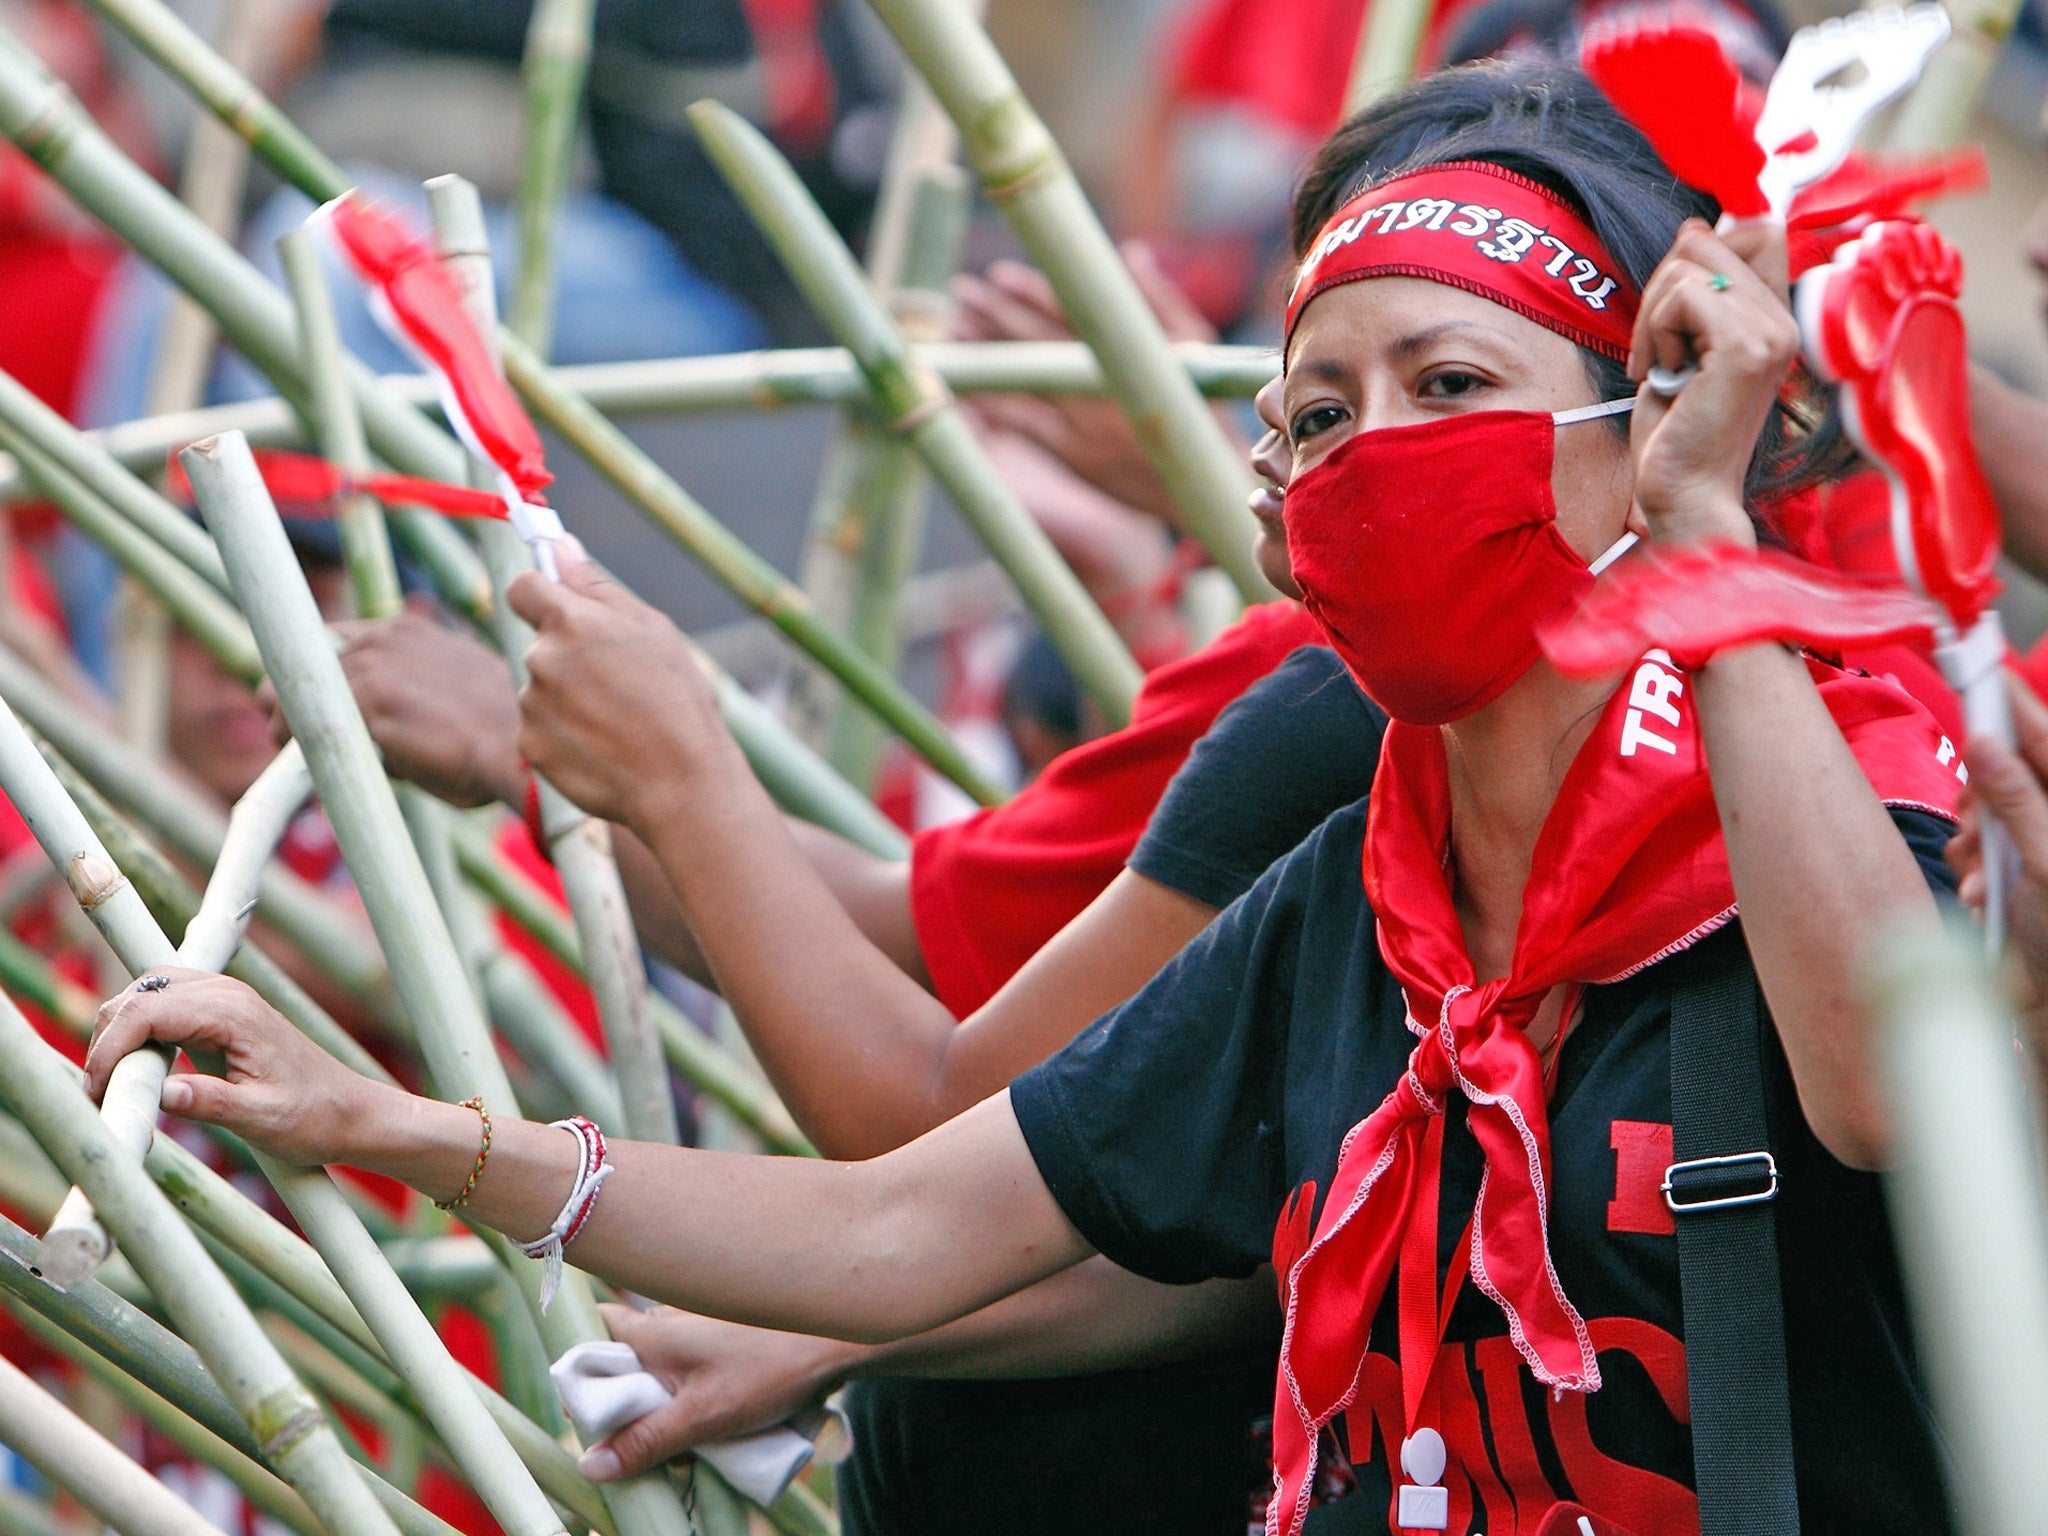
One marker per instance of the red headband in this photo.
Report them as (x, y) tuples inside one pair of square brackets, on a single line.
[(1480, 227)]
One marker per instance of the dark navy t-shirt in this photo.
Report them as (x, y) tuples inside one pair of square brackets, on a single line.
[(1174, 1131), (1293, 748), (1164, 1451)]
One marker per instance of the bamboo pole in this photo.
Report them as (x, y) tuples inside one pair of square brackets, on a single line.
[(265, 1492), (917, 407), (727, 381), (890, 493), (1389, 44), (1966, 1197), (198, 607), (288, 1263), (121, 1332), (75, 1244), (698, 1059), (441, 1387), (871, 496), (39, 1428), (40, 117), (1938, 109), (580, 845), (280, 1414), (557, 59), (456, 1043), (1024, 174), (174, 901), (193, 827), (338, 429), (80, 456), (21, 1515)]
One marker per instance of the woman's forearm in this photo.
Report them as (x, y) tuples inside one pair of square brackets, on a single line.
[(862, 1251), (1818, 866), (1092, 1317), (847, 1038)]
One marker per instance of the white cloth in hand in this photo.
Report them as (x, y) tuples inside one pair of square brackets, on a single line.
[(604, 1387)]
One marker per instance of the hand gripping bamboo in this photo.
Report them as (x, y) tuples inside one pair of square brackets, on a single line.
[(460, 1055), (329, 1222), (283, 1418), (580, 846), (76, 1244)]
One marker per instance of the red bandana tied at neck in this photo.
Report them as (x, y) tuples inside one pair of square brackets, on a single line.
[(1629, 868), (1480, 227)]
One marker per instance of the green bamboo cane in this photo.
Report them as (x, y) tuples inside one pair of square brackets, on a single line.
[(283, 1418), (868, 513), (301, 1285), (728, 381), (74, 1244), (1389, 44), (557, 59), (89, 463), (264, 1491), (544, 1032), (198, 607), (40, 117), (338, 429), (580, 846), (193, 827), (441, 1386), (21, 1515), (890, 494), (35, 981), (357, 797), (44, 1432), (1937, 110), (871, 495), (1024, 174), (122, 1333), (173, 901), (917, 406), (1965, 1192), (699, 1060)]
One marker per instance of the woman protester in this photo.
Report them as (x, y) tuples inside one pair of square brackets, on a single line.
[(1433, 1041)]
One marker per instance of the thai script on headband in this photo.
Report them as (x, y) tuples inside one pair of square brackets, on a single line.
[(1511, 240)]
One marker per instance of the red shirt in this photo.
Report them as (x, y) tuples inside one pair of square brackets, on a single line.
[(988, 892)]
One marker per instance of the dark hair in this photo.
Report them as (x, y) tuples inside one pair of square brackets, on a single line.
[(1545, 120)]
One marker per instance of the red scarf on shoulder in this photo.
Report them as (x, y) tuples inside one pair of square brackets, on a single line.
[(1628, 869)]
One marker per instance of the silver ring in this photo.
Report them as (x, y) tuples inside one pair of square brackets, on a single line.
[(152, 982)]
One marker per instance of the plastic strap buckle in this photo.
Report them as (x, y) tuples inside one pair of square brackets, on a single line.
[(1716, 1183)]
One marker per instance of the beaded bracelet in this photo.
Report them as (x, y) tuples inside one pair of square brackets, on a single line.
[(477, 1168)]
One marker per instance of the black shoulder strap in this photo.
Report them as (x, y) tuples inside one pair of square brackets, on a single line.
[(1721, 1188)]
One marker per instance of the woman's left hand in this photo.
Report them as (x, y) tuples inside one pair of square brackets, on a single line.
[(1705, 305), (277, 1090)]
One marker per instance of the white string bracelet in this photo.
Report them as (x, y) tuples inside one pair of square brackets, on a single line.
[(591, 1172)]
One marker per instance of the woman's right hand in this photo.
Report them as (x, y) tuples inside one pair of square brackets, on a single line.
[(728, 1380), (277, 1090)]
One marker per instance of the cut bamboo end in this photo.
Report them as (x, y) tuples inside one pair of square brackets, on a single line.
[(75, 1246)]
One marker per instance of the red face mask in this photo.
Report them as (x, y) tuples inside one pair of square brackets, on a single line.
[(1430, 553)]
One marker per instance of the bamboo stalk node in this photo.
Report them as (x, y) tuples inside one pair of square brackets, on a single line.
[(906, 425), (52, 126), (93, 879), (294, 1429)]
